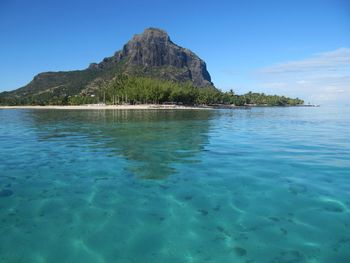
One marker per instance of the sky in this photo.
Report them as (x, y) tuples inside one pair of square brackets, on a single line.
[(293, 48)]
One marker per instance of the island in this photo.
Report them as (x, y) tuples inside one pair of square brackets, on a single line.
[(150, 70)]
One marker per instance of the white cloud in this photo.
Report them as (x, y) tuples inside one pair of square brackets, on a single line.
[(303, 82), (330, 61), (323, 77)]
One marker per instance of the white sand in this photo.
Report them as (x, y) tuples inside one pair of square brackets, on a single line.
[(108, 107)]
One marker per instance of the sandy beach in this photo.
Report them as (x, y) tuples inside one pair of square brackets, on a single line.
[(110, 107)]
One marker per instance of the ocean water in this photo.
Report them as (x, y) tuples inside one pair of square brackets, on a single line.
[(258, 185)]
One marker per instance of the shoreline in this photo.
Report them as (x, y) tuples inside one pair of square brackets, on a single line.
[(111, 107), (143, 107)]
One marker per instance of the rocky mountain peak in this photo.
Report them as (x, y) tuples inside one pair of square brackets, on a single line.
[(152, 34), (154, 50)]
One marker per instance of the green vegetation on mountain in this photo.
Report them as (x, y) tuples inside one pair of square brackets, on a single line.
[(144, 90)]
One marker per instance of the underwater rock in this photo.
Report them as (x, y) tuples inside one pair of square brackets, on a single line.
[(240, 251), (341, 243), (203, 212), (274, 219), (188, 197), (6, 193), (331, 206), (221, 229), (284, 231)]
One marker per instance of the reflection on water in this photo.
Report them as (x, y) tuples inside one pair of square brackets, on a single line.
[(155, 140)]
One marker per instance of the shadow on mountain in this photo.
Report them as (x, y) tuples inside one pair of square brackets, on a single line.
[(154, 142)]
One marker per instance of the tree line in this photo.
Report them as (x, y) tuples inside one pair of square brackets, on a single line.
[(144, 90)]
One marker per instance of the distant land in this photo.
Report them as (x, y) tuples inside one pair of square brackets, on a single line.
[(150, 69)]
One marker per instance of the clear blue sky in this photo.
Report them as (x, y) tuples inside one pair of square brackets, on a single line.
[(243, 42)]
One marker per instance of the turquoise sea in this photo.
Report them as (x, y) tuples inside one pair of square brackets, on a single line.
[(268, 185)]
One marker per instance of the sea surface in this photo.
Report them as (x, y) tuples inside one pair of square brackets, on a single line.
[(269, 185)]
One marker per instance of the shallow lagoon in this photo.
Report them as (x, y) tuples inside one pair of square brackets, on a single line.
[(259, 185)]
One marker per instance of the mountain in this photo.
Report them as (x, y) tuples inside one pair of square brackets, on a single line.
[(150, 54)]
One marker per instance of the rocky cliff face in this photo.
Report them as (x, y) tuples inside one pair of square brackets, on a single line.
[(151, 53)]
